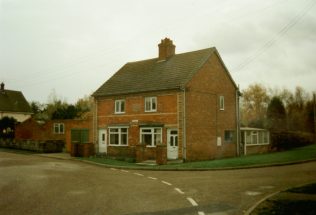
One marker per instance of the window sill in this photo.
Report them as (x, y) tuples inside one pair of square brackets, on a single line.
[(150, 146), (258, 144), (118, 145)]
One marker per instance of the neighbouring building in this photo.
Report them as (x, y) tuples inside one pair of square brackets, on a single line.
[(13, 104), (67, 130), (187, 101)]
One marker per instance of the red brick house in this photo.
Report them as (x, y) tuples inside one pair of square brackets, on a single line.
[(186, 101), (68, 130)]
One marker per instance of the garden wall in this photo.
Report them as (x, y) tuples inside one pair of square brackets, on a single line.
[(42, 146)]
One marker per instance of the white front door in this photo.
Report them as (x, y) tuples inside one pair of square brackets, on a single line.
[(102, 141), (172, 144)]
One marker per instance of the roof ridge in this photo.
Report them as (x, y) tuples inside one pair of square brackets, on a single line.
[(17, 91), (182, 53)]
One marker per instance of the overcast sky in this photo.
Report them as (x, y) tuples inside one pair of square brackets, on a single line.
[(73, 46)]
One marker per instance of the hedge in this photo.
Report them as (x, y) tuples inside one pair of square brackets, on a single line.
[(284, 140)]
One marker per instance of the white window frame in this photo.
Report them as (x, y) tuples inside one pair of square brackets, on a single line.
[(60, 128), (221, 103), (118, 106), (152, 133), (255, 134), (120, 133), (152, 104)]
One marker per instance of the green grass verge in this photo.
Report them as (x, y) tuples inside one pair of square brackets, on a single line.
[(308, 189), (294, 155), (286, 203)]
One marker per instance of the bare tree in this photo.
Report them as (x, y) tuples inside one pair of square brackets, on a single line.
[(254, 106)]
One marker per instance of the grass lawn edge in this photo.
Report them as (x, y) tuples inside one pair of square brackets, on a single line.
[(290, 157)]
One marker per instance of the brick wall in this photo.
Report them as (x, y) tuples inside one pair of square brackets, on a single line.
[(135, 116), (257, 149), (205, 122), (31, 129)]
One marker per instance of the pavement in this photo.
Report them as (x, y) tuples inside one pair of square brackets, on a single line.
[(64, 182)]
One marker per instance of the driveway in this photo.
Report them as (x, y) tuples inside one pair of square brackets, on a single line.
[(31, 184)]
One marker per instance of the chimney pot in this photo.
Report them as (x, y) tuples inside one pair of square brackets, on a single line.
[(166, 49)]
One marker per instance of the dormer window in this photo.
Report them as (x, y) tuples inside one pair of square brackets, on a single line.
[(150, 104), (119, 106)]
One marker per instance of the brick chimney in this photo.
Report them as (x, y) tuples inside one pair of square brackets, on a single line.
[(166, 49)]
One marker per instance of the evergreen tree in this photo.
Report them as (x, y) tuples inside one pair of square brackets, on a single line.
[(7, 127), (276, 115)]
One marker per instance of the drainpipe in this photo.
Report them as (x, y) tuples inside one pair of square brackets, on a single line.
[(95, 125), (184, 143), (237, 122)]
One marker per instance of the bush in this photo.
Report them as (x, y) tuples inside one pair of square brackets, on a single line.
[(285, 140)]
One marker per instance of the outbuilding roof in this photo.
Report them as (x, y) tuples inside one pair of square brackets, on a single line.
[(153, 75)]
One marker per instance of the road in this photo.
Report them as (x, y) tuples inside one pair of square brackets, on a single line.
[(31, 184)]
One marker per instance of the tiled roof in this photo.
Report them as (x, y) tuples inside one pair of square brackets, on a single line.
[(152, 75), (13, 101)]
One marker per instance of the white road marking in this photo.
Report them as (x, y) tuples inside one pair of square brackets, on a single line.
[(167, 183), (201, 213), (135, 173), (179, 191), (266, 187), (124, 170), (252, 193), (192, 201), (152, 178)]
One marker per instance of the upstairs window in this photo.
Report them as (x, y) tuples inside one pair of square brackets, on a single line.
[(150, 104), (120, 106), (59, 128), (221, 103)]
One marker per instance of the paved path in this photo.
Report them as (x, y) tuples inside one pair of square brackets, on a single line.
[(31, 184)]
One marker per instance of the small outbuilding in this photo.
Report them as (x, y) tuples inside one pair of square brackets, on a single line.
[(254, 140)]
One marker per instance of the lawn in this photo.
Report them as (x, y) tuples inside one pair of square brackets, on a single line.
[(294, 155)]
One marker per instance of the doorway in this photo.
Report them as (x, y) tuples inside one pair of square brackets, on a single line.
[(172, 144)]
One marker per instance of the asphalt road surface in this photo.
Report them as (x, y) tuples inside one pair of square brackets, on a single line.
[(31, 184)]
